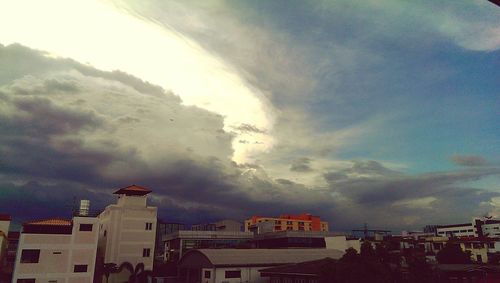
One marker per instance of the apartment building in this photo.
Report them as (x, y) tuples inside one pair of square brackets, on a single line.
[(288, 222), (128, 229), (57, 251)]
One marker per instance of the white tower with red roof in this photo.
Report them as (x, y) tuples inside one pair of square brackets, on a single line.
[(128, 229)]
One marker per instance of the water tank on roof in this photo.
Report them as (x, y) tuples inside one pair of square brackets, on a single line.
[(84, 207)]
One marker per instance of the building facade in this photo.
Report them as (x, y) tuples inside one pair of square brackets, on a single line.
[(301, 222), (242, 265), (128, 229), (57, 251), (222, 225), (456, 230)]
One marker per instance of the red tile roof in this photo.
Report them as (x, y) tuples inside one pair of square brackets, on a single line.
[(133, 190), (51, 221), (5, 217)]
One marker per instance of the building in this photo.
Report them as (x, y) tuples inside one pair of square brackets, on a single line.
[(57, 250), (128, 229), (222, 225), (162, 230), (242, 265), (301, 222), (4, 231), (179, 242), (456, 230), (304, 272), (10, 259), (305, 239), (474, 273), (487, 227), (478, 247)]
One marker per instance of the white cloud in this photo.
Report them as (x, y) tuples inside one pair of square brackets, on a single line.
[(107, 38)]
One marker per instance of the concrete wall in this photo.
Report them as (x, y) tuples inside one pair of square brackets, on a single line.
[(248, 275), (4, 226), (59, 254), (123, 235), (341, 243)]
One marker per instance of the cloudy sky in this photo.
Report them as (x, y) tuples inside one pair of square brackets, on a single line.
[(384, 112)]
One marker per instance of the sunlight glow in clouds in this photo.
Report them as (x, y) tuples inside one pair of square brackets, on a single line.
[(96, 33)]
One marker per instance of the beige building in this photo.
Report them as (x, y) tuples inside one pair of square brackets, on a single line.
[(57, 251), (128, 229), (4, 231)]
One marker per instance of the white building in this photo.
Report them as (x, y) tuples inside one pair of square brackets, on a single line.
[(128, 229), (456, 230), (487, 227), (242, 265), (4, 231), (57, 251)]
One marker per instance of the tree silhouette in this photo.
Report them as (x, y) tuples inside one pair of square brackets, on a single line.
[(109, 268), (453, 254), (137, 274)]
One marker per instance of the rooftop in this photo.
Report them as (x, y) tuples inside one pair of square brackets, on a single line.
[(51, 222), (198, 234), (133, 190), (257, 257), (5, 217), (307, 268)]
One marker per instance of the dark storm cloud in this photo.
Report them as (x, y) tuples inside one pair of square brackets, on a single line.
[(369, 183), (67, 130), (373, 193), (469, 160), (301, 165)]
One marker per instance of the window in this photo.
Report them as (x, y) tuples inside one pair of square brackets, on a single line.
[(105, 233), (85, 227), (491, 245), (30, 256), (25, 281), (233, 274), (56, 253), (207, 274), (149, 226), (146, 252), (80, 268)]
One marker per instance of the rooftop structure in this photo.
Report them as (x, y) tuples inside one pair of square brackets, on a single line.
[(308, 271), (133, 190), (242, 265), (179, 242)]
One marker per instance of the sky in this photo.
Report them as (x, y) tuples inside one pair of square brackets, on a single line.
[(383, 112)]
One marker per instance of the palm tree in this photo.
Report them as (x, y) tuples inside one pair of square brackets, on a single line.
[(137, 274), (109, 268)]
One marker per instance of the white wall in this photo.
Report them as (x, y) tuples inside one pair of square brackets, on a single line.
[(248, 275), (126, 235), (59, 253)]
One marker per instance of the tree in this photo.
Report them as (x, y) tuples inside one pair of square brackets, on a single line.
[(137, 274), (109, 268), (418, 268), (453, 254)]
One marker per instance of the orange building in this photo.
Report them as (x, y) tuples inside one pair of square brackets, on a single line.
[(301, 222)]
